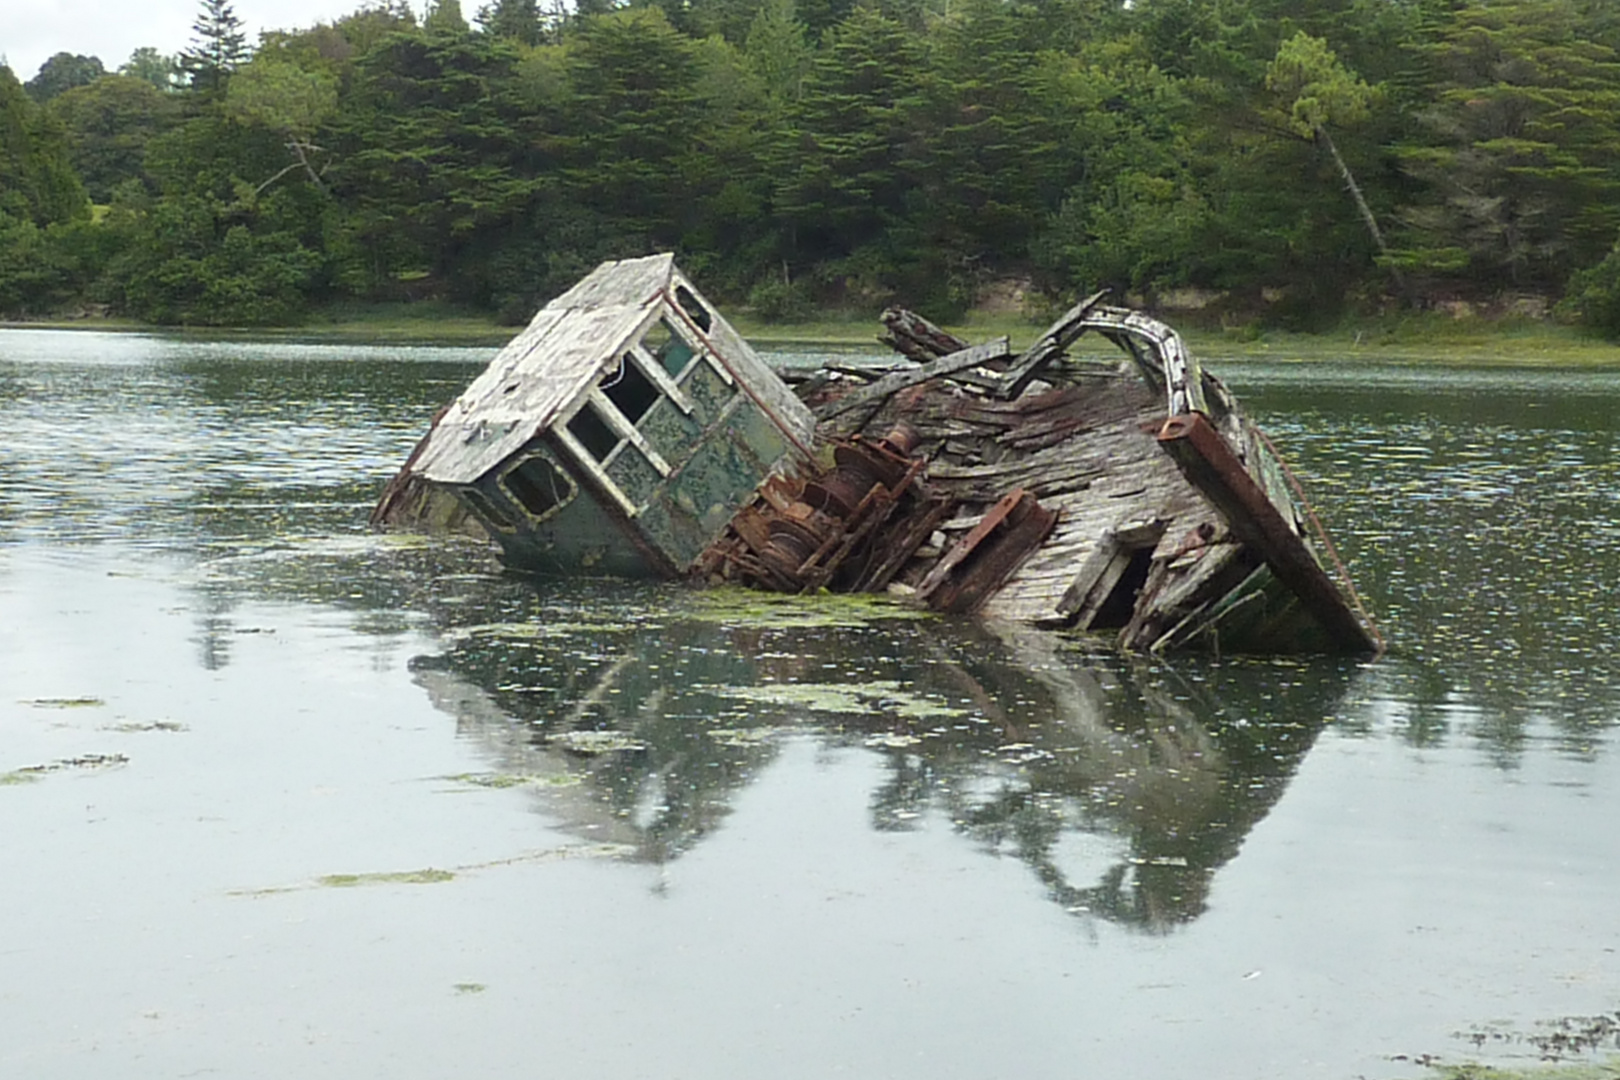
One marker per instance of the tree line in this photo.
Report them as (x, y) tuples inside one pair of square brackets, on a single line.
[(1307, 158)]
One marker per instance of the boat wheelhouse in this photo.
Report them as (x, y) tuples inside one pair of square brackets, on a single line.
[(619, 431)]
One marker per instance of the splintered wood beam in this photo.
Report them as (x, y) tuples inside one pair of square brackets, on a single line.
[(1048, 347), (874, 395), (1211, 467), (911, 335), (983, 560)]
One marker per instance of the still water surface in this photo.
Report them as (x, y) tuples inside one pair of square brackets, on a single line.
[(280, 797)]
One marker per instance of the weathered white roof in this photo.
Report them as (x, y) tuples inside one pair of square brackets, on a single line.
[(543, 370)]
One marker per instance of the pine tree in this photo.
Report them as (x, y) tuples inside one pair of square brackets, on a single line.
[(219, 46)]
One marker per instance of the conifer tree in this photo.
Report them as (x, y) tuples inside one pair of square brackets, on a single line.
[(218, 47)]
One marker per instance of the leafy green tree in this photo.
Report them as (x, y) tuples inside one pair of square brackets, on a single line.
[(1133, 214), (149, 65), (291, 100), (212, 247), (1315, 91), (37, 181), (218, 47), (1593, 297), (40, 197), (108, 125), (61, 73), (195, 262)]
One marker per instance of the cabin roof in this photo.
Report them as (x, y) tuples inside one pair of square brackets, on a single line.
[(546, 368)]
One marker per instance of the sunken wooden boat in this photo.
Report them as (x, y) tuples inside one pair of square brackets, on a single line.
[(630, 430)]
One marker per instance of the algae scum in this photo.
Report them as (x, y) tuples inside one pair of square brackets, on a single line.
[(282, 797)]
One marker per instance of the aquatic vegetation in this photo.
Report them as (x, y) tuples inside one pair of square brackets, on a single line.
[(470, 988), (1608, 1070), (542, 629), (859, 699), (432, 875), (30, 773), (501, 781), (428, 876), (738, 607), (132, 727), (65, 702), (751, 736), (597, 742)]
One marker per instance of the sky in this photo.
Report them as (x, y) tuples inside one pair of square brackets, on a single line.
[(31, 31)]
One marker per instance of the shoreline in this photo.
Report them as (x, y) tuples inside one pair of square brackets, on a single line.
[(1417, 340)]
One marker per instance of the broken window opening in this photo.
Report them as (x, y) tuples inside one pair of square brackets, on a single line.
[(598, 439), (1117, 610), (695, 311), (630, 390), (668, 347), (487, 510), (539, 486)]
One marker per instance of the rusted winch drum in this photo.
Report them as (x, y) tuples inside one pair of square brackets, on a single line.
[(860, 465)]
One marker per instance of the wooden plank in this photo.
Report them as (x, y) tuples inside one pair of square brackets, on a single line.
[(1211, 467), (1048, 347), (875, 394)]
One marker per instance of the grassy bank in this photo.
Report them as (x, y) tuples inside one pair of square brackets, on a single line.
[(1417, 339), (1426, 338)]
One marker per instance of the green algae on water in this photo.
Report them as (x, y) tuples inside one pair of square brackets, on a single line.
[(735, 606), (65, 702), (135, 727), (30, 773), (428, 876), (1606, 1070), (859, 699), (502, 781)]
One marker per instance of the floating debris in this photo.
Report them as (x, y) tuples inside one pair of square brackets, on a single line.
[(30, 773)]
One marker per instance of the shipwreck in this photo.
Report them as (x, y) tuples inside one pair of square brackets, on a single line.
[(630, 430)]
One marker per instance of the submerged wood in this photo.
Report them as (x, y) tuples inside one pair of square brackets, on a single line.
[(1131, 499)]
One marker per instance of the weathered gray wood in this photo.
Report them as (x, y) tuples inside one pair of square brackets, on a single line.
[(913, 336), (878, 392), (1048, 347)]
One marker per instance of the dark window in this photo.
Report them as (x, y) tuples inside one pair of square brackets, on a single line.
[(694, 310), (487, 510), (538, 485), (593, 433), (630, 389)]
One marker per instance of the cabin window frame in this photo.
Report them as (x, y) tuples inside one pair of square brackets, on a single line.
[(537, 453), (487, 509), (635, 351)]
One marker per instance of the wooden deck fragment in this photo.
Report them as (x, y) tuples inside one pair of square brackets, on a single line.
[(1209, 463)]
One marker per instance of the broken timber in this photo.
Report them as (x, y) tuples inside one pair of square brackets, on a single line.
[(631, 430)]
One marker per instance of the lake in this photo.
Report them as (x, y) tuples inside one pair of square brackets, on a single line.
[(283, 797)]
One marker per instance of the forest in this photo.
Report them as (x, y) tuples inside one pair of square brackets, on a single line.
[(1301, 161)]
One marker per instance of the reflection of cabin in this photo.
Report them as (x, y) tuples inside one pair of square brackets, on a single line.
[(620, 431)]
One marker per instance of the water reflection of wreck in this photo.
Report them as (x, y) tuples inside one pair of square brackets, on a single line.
[(1122, 785), (630, 430)]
